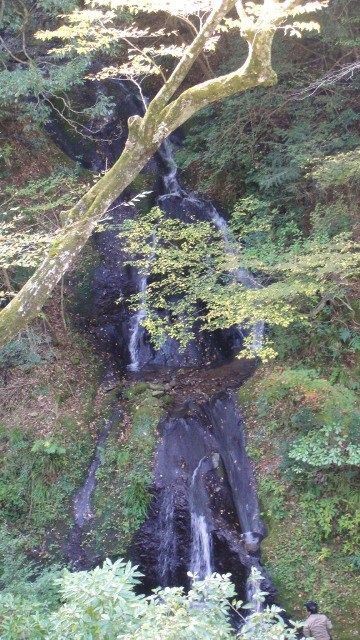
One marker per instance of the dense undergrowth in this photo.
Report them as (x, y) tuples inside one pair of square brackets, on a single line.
[(308, 488), (303, 428), (50, 407), (122, 496)]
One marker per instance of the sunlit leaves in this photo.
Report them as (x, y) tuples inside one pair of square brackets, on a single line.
[(102, 604), (174, 7), (29, 217), (192, 273), (21, 248), (297, 28)]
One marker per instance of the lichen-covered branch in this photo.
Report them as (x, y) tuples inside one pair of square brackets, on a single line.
[(191, 54), (256, 71)]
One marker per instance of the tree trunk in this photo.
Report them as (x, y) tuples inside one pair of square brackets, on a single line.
[(66, 247)]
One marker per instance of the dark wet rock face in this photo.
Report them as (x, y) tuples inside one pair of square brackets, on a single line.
[(113, 282), (111, 320), (79, 555), (204, 515), (99, 142)]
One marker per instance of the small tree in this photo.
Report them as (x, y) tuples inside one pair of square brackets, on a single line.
[(169, 109)]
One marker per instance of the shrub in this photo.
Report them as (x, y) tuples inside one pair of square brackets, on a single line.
[(102, 605)]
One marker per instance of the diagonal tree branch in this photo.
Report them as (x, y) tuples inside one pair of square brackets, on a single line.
[(191, 53)]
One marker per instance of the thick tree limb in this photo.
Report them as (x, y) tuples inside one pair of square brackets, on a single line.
[(192, 52), (256, 71)]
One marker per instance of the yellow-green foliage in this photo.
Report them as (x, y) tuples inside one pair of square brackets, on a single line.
[(192, 271), (29, 216)]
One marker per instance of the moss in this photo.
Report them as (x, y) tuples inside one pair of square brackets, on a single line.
[(55, 247), (135, 390), (306, 553), (122, 495)]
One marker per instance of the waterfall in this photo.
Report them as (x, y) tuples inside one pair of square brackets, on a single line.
[(170, 179), (136, 328), (171, 187), (201, 547), (82, 509), (167, 538), (253, 591), (196, 519), (82, 501), (201, 543)]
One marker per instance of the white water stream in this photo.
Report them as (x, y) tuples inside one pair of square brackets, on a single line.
[(201, 548), (168, 540), (82, 500), (253, 587), (136, 328), (201, 543)]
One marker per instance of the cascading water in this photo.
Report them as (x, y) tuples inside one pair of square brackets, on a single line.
[(82, 500), (168, 540), (253, 588), (136, 328), (204, 516), (171, 187), (82, 508), (201, 563), (171, 183), (201, 551)]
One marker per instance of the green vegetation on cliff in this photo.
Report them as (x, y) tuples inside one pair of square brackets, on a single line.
[(284, 162)]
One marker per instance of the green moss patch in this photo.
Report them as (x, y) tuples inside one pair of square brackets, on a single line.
[(122, 494)]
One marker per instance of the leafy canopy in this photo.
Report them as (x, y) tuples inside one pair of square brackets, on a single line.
[(120, 27)]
